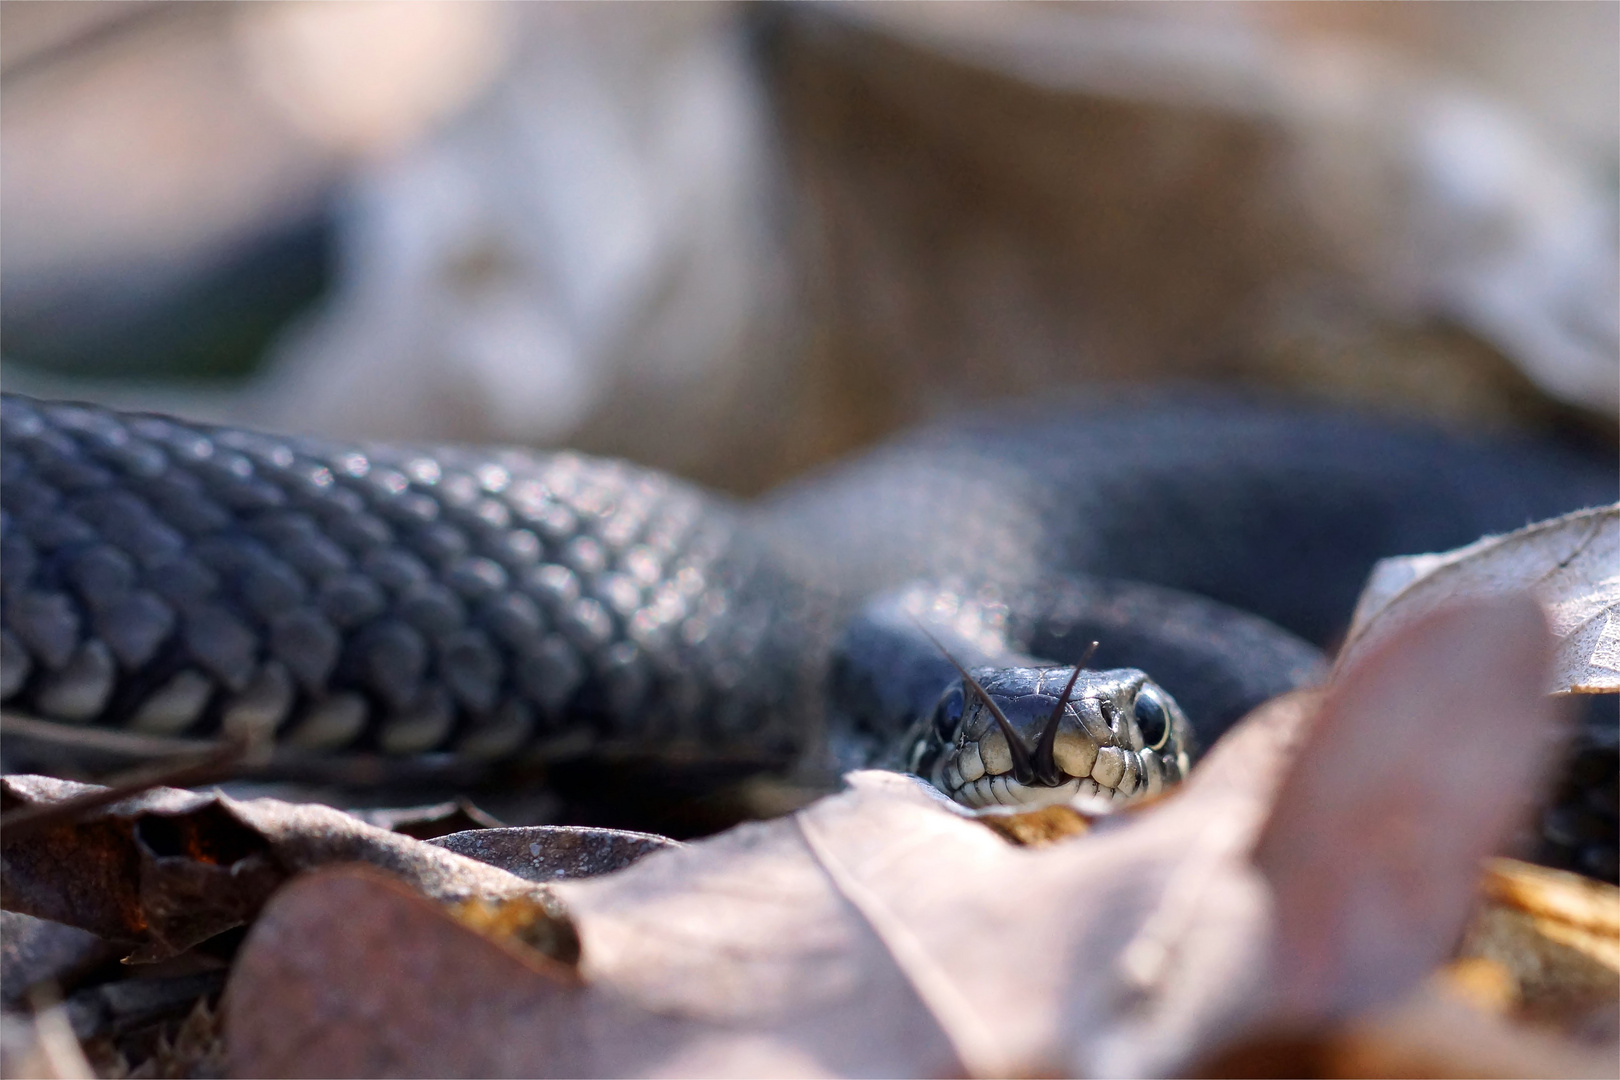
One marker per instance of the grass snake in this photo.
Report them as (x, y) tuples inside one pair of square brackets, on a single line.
[(483, 610)]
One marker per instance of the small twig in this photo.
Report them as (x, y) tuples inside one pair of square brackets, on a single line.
[(55, 1041), (101, 740), (25, 821)]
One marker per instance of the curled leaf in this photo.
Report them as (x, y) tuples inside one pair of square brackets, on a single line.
[(1571, 563)]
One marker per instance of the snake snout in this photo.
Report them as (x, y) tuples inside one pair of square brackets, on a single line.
[(1016, 747)]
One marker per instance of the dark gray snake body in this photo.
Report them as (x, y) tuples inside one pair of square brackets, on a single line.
[(489, 606)]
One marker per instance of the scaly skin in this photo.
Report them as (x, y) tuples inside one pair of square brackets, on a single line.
[(497, 605)]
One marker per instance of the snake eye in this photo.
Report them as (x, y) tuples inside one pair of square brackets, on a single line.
[(948, 714), (1152, 718)]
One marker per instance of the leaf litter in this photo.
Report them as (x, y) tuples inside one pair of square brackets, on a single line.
[(884, 930), (1298, 899), (170, 869)]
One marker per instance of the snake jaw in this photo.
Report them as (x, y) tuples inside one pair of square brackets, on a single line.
[(1119, 776)]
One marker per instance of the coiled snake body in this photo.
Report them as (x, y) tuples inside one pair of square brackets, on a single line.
[(465, 606)]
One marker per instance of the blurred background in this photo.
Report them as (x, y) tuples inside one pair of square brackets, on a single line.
[(733, 240)]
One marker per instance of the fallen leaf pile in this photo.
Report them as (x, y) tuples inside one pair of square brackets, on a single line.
[(1295, 900)]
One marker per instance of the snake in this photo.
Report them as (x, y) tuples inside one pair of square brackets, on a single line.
[(1045, 600)]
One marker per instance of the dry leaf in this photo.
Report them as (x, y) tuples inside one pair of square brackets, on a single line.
[(554, 852), (883, 930), (1424, 758), (1430, 1034), (1555, 936), (319, 992), (168, 869), (1572, 563), (780, 947), (408, 991)]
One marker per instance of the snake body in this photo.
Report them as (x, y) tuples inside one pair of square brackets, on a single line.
[(482, 606)]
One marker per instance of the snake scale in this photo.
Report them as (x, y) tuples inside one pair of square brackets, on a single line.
[(479, 609)]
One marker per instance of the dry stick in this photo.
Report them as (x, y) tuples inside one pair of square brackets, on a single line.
[(25, 821), (126, 744), (133, 749)]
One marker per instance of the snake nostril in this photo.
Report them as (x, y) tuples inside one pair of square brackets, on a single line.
[(1109, 713)]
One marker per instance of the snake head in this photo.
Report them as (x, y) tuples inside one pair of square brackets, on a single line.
[(1030, 737)]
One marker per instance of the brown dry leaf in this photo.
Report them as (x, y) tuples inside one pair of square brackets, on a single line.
[(554, 852), (881, 930), (1429, 1034), (1572, 563), (1011, 951), (1037, 828), (120, 1016), (1424, 757), (740, 955), (1554, 936), (168, 869), (1558, 898), (455, 1004), (1132, 948), (408, 991), (319, 992)]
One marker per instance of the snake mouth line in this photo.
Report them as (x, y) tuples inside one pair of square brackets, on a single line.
[(1004, 789)]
